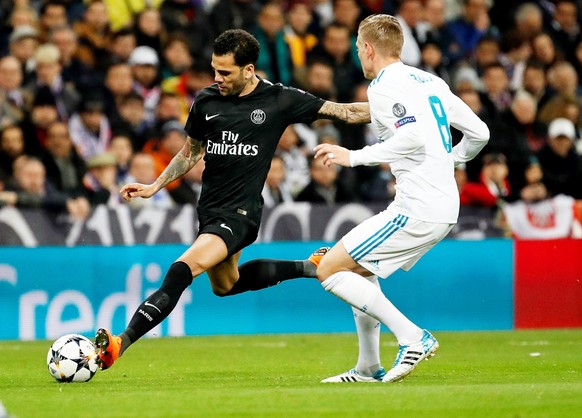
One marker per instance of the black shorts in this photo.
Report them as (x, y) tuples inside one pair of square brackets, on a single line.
[(237, 231)]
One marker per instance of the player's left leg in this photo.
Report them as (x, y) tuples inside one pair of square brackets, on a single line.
[(206, 251)]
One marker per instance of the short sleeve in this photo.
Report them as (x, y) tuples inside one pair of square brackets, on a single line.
[(299, 106)]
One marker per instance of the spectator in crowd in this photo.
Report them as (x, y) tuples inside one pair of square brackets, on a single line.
[(276, 190), (409, 15), (72, 68), (561, 165), (93, 32), (487, 52), (122, 44), (23, 15), (294, 156), (528, 20), (472, 25), (534, 82), (169, 108), (52, 15), (300, 39), (42, 114), (349, 13), (323, 186), (319, 78), (564, 28), (323, 13), (100, 180), (275, 57), (48, 73), (118, 84), (543, 49), (335, 48), (12, 146), (13, 98), (515, 52), (435, 30), (142, 170), (144, 66), (122, 13), (149, 30), (163, 149), (23, 43), (122, 148), (517, 136), (176, 57), (496, 96), (132, 119), (534, 189), (65, 169), (185, 86), (189, 18), (89, 128), (431, 61), (233, 14), (30, 189), (492, 185), (563, 79)]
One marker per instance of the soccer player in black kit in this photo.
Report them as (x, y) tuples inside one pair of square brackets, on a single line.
[(235, 125)]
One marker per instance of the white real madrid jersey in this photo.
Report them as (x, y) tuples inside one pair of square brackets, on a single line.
[(412, 111)]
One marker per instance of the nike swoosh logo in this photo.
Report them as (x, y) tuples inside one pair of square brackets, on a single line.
[(227, 227), (212, 116), (153, 306)]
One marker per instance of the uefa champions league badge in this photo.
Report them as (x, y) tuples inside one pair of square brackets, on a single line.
[(258, 116), (399, 110)]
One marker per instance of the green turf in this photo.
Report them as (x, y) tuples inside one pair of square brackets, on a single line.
[(478, 374)]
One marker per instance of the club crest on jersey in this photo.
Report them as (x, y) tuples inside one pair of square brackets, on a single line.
[(404, 121), (258, 116), (399, 110)]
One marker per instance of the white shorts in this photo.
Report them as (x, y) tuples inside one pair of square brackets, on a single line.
[(388, 241)]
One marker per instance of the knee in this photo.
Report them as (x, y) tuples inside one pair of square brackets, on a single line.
[(325, 269), (220, 290), (178, 278)]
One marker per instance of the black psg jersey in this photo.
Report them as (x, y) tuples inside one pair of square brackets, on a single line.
[(240, 134)]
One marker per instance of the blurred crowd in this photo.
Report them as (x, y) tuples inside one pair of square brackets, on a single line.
[(94, 94)]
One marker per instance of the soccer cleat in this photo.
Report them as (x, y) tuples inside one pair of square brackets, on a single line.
[(108, 348), (410, 355), (316, 257), (352, 376)]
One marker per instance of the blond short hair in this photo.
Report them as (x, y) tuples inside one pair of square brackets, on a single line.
[(384, 33), (47, 54)]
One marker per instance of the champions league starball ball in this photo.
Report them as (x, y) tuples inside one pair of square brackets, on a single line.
[(72, 358)]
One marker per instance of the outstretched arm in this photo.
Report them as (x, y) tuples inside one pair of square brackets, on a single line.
[(183, 161), (355, 113)]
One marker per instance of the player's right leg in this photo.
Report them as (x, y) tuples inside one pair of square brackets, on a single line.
[(207, 251), (368, 367)]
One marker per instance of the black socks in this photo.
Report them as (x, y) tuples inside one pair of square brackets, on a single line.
[(259, 274), (159, 304)]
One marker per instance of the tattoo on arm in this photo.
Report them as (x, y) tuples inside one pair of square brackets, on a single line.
[(183, 161), (348, 112)]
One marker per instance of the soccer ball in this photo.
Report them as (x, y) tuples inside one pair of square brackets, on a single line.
[(72, 358)]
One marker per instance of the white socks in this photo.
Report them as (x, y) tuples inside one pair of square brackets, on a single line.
[(368, 298), (368, 339)]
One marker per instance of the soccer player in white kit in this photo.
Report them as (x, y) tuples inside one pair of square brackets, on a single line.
[(411, 110)]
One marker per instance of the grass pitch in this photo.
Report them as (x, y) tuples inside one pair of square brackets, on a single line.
[(478, 374)]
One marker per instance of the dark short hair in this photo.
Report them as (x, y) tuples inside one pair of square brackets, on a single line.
[(241, 44)]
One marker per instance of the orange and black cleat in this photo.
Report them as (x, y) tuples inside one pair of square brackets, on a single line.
[(316, 257), (108, 348)]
